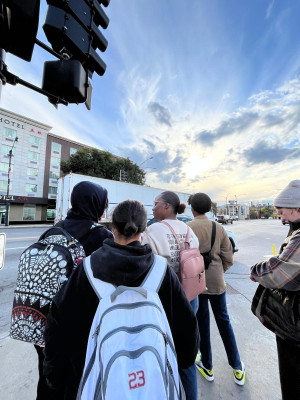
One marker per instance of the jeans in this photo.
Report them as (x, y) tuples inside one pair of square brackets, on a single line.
[(219, 308), (289, 368), (188, 375)]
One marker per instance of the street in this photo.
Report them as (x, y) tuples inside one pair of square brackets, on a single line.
[(18, 369)]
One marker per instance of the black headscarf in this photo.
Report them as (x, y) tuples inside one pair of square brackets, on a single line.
[(88, 201)]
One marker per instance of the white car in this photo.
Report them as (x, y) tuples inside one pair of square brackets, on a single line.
[(230, 234)]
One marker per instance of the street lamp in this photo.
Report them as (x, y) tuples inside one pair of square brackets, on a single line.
[(150, 158), (10, 155)]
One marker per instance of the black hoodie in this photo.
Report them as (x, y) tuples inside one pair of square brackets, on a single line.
[(88, 202), (73, 309)]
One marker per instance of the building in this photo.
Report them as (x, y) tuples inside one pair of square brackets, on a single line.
[(35, 167)]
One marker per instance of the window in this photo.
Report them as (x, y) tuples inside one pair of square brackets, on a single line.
[(31, 188), (50, 213), (10, 133), (32, 155), (55, 161), (52, 190), (29, 212), (36, 141), (3, 185), (73, 151), (55, 147), (5, 149), (54, 175), (4, 167), (32, 172)]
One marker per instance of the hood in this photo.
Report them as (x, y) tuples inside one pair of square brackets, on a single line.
[(88, 201), (121, 265)]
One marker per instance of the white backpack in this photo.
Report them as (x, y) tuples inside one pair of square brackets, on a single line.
[(130, 352)]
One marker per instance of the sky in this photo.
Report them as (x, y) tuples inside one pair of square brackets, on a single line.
[(203, 94)]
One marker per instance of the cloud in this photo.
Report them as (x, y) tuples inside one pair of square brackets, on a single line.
[(269, 9), (160, 113), (263, 152), (238, 123)]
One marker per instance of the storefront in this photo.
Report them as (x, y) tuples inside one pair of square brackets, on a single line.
[(24, 210)]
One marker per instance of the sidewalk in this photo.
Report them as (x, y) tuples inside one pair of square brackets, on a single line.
[(25, 226), (18, 367)]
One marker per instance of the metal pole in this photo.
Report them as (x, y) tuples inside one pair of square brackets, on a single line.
[(8, 180), (8, 185)]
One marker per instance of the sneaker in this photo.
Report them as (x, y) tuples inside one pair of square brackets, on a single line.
[(239, 375), (206, 373), (198, 358)]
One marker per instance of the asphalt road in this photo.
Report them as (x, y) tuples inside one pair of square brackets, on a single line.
[(18, 367), (17, 240)]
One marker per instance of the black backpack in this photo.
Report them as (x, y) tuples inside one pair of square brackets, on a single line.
[(43, 268), (207, 256)]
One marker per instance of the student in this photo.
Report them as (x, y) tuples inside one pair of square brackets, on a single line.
[(88, 201), (277, 300), (158, 235), (222, 260), (121, 262)]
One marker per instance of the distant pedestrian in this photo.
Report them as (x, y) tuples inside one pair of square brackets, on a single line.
[(277, 300), (221, 261), (121, 262), (159, 236)]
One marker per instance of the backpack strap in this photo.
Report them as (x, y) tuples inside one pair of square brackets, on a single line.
[(213, 234), (174, 234), (156, 274), (101, 288), (63, 231)]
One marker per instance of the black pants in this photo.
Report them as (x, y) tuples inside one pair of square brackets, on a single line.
[(44, 392), (289, 369)]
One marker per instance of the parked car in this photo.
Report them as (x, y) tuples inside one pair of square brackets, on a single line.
[(230, 234), (224, 219), (235, 217)]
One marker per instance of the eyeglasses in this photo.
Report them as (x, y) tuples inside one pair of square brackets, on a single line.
[(156, 202)]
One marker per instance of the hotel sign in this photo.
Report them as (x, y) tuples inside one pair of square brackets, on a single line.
[(12, 123)]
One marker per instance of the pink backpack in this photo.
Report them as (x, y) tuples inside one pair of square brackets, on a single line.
[(191, 267)]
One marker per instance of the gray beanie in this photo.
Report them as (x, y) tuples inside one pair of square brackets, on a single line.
[(290, 196)]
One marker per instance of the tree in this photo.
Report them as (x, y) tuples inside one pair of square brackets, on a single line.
[(102, 164), (266, 212), (253, 213), (214, 208)]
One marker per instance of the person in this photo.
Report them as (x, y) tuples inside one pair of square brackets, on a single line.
[(158, 235), (221, 261), (124, 261), (88, 201), (279, 279)]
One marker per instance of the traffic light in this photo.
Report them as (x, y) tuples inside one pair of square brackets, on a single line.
[(71, 26), (19, 21), (66, 79)]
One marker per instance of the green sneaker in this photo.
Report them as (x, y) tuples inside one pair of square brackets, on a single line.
[(206, 373), (239, 375)]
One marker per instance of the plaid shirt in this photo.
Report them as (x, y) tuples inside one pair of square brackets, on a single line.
[(282, 271)]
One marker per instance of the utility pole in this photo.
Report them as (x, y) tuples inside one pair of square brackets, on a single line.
[(10, 155)]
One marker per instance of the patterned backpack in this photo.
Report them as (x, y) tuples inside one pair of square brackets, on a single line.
[(42, 269)]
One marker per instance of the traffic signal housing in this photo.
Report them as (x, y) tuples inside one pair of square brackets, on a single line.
[(72, 28), (19, 21)]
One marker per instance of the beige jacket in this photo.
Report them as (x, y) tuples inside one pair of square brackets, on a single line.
[(222, 254)]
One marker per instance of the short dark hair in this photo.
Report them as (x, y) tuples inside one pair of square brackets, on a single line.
[(200, 202), (173, 199), (129, 218)]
